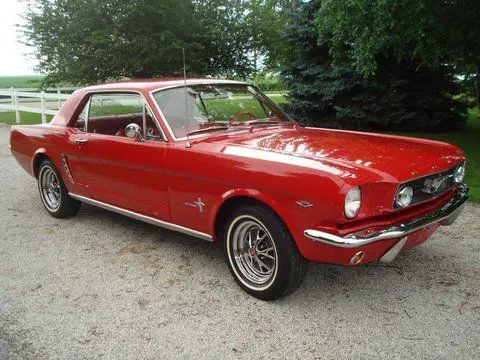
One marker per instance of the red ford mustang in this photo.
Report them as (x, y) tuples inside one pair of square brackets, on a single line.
[(220, 161)]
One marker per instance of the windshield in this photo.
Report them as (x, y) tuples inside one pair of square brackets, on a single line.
[(216, 107)]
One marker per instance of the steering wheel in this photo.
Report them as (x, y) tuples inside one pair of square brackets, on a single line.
[(240, 114)]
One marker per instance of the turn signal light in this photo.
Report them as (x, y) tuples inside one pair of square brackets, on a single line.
[(357, 258)]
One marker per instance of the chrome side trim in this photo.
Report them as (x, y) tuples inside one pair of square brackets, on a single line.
[(143, 218), (445, 214)]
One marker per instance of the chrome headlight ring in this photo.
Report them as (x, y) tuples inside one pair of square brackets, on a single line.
[(353, 201), (404, 197)]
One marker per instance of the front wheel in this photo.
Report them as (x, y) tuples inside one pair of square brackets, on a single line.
[(261, 253), (53, 192)]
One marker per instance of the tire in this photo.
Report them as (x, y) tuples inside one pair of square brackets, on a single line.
[(53, 192), (261, 254)]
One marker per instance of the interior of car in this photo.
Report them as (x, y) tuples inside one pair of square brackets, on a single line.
[(116, 124), (110, 114)]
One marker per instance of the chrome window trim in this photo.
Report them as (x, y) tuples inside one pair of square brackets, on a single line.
[(85, 125), (144, 120), (144, 218), (87, 114), (89, 93), (276, 105), (204, 82)]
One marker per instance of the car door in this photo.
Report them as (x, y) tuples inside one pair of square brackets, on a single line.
[(122, 171), (72, 153)]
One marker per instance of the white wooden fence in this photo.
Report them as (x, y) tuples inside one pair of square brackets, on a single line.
[(31, 100)]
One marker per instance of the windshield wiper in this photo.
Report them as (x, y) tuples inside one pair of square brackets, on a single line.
[(210, 128)]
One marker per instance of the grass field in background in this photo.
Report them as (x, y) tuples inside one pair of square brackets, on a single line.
[(26, 118), (27, 81)]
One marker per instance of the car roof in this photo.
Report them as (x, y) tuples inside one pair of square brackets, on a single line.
[(156, 84)]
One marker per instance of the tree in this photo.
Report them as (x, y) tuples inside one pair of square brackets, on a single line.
[(264, 24), (401, 94), (88, 41), (225, 40), (430, 32)]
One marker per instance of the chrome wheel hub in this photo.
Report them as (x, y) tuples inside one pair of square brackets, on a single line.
[(50, 188), (254, 252)]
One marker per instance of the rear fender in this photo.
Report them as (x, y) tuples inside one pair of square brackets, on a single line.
[(37, 156)]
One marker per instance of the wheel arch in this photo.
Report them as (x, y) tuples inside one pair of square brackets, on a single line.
[(39, 156), (235, 198)]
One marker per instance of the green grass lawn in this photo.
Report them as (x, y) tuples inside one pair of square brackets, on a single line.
[(224, 109), (27, 81), (26, 118)]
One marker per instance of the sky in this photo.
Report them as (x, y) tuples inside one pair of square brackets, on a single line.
[(13, 58)]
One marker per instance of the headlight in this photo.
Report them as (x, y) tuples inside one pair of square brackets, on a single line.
[(459, 173), (353, 199), (404, 197)]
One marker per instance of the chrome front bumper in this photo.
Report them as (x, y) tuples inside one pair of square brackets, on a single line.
[(446, 215)]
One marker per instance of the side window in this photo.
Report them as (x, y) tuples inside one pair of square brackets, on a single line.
[(110, 113)]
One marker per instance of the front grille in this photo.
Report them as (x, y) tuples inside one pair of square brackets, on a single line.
[(428, 187)]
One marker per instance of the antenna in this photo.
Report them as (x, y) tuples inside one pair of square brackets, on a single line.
[(187, 144)]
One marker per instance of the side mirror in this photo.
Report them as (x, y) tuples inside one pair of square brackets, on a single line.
[(134, 131)]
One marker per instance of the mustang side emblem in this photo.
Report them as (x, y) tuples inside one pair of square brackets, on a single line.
[(433, 185), (198, 204)]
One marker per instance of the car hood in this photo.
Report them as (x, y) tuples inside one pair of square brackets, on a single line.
[(393, 158)]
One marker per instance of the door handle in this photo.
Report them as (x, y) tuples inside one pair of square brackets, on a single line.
[(80, 140)]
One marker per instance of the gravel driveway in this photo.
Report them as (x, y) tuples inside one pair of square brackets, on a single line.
[(105, 286)]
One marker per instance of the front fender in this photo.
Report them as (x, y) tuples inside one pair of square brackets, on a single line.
[(295, 217), (261, 196)]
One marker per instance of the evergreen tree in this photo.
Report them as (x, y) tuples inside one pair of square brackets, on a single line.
[(400, 96)]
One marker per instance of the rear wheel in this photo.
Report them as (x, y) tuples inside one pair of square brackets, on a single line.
[(261, 253), (53, 192)]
